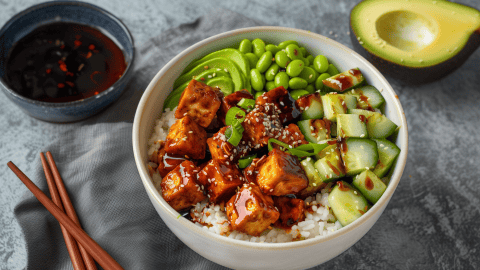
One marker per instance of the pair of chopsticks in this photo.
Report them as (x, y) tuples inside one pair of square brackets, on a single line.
[(81, 253)]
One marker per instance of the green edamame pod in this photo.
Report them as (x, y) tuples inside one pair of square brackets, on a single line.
[(259, 93), (271, 72), (285, 43), (303, 51), (297, 83), (264, 62), (310, 88), (332, 70), (295, 67), (282, 59), (256, 79), (293, 52), (296, 94), (258, 47), (319, 83), (281, 79), (270, 85), (320, 64), (272, 48), (308, 74), (252, 59), (245, 46)]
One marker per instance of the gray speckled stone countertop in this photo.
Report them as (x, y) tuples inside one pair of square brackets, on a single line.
[(433, 219)]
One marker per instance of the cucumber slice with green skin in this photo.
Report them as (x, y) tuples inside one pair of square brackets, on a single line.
[(344, 81), (368, 97), (315, 182), (334, 104), (358, 155), (333, 130), (369, 185), (378, 125), (387, 154), (311, 105), (315, 130), (232, 54), (347, 203), (330, 167), (351, 125)]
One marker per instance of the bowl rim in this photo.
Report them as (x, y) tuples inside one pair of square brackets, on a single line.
[(146, 180), (80, 102)]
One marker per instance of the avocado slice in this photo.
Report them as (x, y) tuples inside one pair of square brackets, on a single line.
[(229, 53), (416, 41)]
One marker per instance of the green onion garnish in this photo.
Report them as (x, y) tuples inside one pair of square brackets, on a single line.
[(244, 162), (301, 151), (247, 104), (235, 114), (234, 134)]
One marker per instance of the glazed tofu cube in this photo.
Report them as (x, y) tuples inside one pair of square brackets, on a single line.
[(284, 104), (292, 136), (223, 151), (291, 211), (166, 163), (259, 127), (220, 180), (186, 138), (179, 187), (231, 101), (250, 211), (251, 171), (200, 102), (281, 174)]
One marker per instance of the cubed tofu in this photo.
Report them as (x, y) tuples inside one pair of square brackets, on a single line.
[(166, 163), (251, 171), (291, 210), (231, 101), (223, 151), (200, 102), (220, 180), (292, 136), (186, 138), (259, 127), (180, 188), (281, 174), (250, 211), (284, 103)]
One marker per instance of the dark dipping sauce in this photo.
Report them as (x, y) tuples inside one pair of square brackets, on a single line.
[(63, 62)]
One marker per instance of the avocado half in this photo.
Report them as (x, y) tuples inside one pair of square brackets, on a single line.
[(415, 41)]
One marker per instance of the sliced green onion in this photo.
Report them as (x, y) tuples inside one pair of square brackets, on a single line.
[(301, 151), (233, 135), (247, 104), (244, 162), (235, 114)]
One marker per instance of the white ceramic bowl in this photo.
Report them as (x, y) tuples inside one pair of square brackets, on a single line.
[(241, 254)]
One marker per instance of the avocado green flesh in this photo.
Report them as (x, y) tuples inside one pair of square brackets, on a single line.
[(229, 53), (415, 33)]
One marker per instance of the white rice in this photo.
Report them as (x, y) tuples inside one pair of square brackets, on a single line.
[(319, 220)]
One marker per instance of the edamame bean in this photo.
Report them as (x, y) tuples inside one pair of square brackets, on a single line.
[(245, 46), (319, 83), (303, 51), (282, 59), (310, 59), (264, 62), (252, 58), (285, 43), (259, 93), (270, 85), (258, 47), (306, 61), (308, 74), (256, 79), (296, 94), (332, 70), (281, 79), (320, 64), (297, 83), (295, 67), (271, 72), (310, 88), (272, 48), (293, 52)]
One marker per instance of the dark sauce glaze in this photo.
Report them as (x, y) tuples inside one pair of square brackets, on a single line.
[(62, 62), (342, 187), (243, 199), (369, 183)]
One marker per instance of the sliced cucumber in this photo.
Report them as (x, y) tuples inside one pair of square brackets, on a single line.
[(369, 185), (330, 167), (378, 125), (351, 125), (347, 203), (368, 97), (312, 106), (334, 104), (344, 81), (387, 154), (315, 130), (315, 182), (358, 155)]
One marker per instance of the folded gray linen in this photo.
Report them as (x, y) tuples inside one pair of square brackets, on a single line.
[(95, 159)]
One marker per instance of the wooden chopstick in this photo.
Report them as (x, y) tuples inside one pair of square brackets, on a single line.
[(92, 247), (72, 247), (88, 260)]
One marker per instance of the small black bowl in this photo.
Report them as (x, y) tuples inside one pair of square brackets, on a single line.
[(75, 12)]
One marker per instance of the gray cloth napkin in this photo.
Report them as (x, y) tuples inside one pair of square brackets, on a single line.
[(96, 161)]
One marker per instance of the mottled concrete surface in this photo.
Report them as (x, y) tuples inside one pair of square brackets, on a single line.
[(432, 221)]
